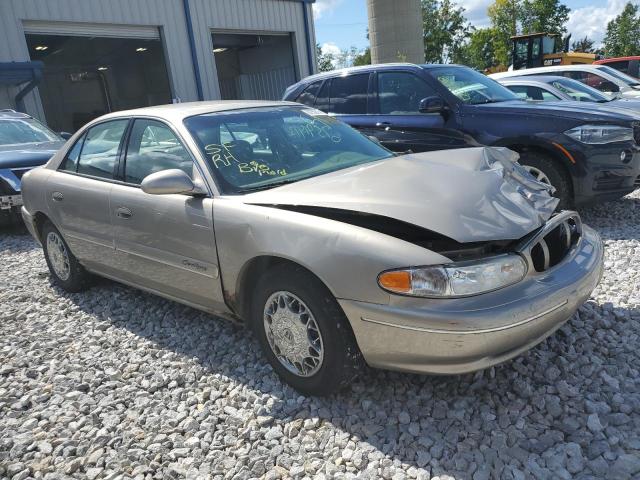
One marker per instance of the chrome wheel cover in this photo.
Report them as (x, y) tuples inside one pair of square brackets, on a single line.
[(293, 334), (58, 256), (538, 174)]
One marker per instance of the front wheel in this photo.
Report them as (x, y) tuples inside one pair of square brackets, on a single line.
[(63, 265), (548, 171), (304, 332)]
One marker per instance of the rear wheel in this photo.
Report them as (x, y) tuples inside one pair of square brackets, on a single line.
[(304, 332), (63, 265), (548, 171)]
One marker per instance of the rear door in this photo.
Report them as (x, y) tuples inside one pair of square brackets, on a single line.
[(164, 242), (78, 194), (348, 99)]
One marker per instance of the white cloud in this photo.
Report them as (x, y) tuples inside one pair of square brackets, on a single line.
[(592, 21), (476, 12), (330, 48), (321, 7)]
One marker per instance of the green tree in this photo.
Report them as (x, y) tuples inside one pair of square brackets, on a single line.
[(445, 30), (505, 18), (544, 16), (324, 60), (479, 52), (362, 58), (623, 33), (584, 45)]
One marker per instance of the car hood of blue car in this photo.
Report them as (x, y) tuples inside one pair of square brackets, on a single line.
[(583, 111), (27, 154)]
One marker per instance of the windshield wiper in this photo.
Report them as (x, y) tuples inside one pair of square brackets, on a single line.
[(270, 185)]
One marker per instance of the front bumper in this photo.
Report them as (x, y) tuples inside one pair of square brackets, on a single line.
[(451, 336), (601, 174)]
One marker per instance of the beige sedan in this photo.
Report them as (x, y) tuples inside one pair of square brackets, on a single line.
[(331, 248)]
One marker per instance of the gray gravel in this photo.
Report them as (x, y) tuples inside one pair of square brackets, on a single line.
[(115, 383)]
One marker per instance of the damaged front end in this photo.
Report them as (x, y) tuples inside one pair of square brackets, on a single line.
[(479, 203)]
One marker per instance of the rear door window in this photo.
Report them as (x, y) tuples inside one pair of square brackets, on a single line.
[(70, 163), (349, 94), (400, 93), (153, 147), (100, 149)]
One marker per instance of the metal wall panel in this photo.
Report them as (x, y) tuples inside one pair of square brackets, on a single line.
[(169, 16)]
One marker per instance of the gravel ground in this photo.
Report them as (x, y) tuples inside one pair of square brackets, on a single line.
[(116, 383)]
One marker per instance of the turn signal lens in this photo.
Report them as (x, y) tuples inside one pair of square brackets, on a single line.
[(398, 281)]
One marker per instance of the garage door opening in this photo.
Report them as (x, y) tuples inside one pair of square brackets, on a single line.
[(252, 66), (85, 77)]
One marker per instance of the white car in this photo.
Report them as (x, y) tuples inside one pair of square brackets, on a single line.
[(601, 77)]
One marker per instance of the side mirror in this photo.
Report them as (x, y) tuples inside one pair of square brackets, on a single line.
[(432, 105), (65, 135), (167, 182)]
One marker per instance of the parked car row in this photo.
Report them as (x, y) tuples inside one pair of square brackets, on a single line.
[(587, 152)]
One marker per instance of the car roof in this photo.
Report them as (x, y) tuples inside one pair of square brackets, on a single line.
[(550, 70), (534, 79), (616, 59), (179, 111), (375, 67), (8, 114)]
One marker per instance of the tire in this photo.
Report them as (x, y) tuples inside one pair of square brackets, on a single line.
[(65, 269), (339, 361), (551, 173)]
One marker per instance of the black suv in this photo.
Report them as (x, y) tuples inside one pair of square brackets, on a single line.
[(587, 152)]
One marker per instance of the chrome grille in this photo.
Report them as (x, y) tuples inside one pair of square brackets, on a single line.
[(551, 244), (636, 183)]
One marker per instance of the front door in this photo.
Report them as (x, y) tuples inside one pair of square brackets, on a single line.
[(78, 194), (164, 242), (398, 123)]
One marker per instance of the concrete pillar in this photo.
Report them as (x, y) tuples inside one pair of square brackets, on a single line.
[(395, 31)]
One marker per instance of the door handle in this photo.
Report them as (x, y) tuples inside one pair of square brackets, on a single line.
[(57, 196), (124, 212)]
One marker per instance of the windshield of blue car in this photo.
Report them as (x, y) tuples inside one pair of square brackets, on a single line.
[(261, 148), (472, 87), (17, 131), (579, 91), (632, 82)]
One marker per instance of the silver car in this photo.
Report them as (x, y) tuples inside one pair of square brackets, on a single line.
[(331, 248)]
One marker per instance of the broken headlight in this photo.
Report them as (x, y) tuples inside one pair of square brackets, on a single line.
[(598, 134), (455, 280)]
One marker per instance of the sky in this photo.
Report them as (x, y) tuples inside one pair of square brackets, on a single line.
[(341, 24)]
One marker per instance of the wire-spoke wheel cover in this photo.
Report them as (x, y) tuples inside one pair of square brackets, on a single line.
[(58, 256), (538, 174), (293, 334)]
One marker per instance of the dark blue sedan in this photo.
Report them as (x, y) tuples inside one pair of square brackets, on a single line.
[(24, 144)]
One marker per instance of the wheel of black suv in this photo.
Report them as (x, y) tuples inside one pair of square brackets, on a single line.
[(304, 332), (548, 171), (63, 265)]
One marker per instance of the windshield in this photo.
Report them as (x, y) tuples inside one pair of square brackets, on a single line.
[(15, 131), (632, 82), (579, 91), (471, 87), (261, 148)]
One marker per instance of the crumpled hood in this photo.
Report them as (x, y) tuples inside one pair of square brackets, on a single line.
[(28, 154), (469, 195)]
